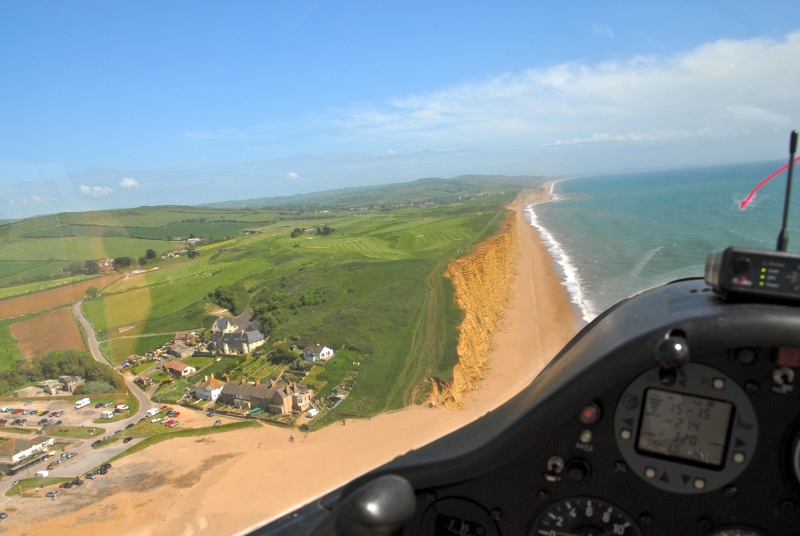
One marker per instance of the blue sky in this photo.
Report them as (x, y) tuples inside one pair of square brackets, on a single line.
[(118, 104)]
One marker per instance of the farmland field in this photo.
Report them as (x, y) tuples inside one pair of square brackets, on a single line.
[(50, 299), (56, 330)]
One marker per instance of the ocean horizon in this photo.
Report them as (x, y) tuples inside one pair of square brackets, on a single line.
[(612, 236)]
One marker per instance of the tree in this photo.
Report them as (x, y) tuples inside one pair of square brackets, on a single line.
[(193, 254), (91, 292), (297, 232), (121, 263), (142, 261), (91, 268), (150, 254)]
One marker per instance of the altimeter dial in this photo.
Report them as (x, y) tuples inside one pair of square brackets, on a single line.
[(584, 516)]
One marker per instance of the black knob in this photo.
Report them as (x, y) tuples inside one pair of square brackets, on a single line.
[(672, 352)]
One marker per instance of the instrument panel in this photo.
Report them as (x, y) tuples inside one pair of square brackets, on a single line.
[(618, 436)]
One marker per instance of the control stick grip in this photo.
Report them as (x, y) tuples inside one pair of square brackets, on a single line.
[(378, 508)]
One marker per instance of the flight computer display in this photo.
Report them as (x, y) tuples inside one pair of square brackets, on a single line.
[(684, 427)]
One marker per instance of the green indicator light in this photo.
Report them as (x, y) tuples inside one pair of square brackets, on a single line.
[(761, 284), (763, 270)]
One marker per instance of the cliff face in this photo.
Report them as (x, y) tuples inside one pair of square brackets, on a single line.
[(481, 280)]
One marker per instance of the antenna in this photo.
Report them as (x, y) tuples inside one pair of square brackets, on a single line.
[(783, 236)]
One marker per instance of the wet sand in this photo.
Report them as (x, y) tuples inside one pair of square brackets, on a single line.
[(225, 483)]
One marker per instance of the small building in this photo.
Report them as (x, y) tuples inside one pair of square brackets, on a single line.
[(69, 383), (185, 337), (179, 368), (241, 335), (276, 397), (17, 453), (180, 350), (317, 352), (208, 388)]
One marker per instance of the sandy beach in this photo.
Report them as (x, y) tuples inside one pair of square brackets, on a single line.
[(225, 483)]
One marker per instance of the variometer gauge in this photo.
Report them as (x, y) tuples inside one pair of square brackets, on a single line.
[(584, 516)]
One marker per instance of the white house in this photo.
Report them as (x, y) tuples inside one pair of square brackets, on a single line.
[(208, 388), (316, 352)]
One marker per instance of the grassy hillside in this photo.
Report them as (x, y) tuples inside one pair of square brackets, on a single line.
[(371, 287)]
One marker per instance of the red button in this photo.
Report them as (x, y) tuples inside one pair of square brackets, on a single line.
[(590, 414)]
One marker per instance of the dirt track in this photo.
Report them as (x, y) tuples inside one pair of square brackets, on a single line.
[(49, 299)]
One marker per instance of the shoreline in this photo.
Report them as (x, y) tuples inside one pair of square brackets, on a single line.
[(228, 483)]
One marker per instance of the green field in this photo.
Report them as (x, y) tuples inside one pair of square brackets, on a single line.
[(372, 289)]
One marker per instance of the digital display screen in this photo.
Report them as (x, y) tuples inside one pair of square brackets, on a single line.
[(449, 526), (684, 427)]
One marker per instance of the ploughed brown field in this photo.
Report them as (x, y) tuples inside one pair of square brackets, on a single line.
[(56, 330), (50, 299)]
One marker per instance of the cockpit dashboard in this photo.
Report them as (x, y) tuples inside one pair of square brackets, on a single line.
[(674, 413)]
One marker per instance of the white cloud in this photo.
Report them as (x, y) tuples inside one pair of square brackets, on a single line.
[(128, 183), (292, 176), (603, 30), (718, 89), (95, 191), (36, 199)]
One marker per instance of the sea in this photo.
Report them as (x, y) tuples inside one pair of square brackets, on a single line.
[(612, 236)]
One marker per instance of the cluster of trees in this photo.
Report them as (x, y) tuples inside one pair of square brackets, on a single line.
[(88, 268), (228, 298), (323, 231), (149, 255), (54, 364)]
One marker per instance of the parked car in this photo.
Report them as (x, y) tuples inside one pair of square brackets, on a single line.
[(211, 413), (127, 440), (131, 425), (60, 413), (41, 412), (168, 422), (99, 405), (52, 494), (28, 402), (171, 413), (174, 424), (41, 422), (123, 407), (18, 411), (77, 482), (217, 422), (90, 476), (106, 466), (97, 442), (164, 407), (65, 485), (52, 414), (176, 414), (157, 419)]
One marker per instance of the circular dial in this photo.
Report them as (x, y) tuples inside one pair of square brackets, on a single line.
[(584, 516), (737, 531)]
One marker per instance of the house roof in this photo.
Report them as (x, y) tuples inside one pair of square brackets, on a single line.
[(178, 366), (210, 384), (15, 445), (315, 348)]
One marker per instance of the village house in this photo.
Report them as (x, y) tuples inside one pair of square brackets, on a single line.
[(179, 368), (69, 383), (145, 380), (317, 352), (241, 335), (180, 350), (185, 337), (275, 397), (209, 388), (17, 453)]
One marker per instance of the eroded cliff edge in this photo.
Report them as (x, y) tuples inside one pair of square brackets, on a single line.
[(481, 280)]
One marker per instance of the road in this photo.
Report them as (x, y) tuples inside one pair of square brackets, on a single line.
[(88, 458), (94, 348)]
